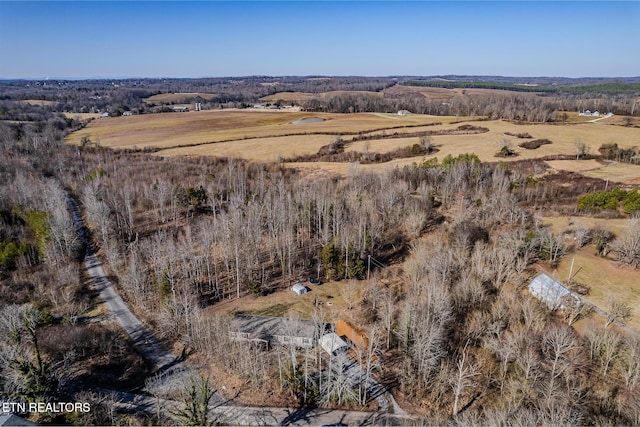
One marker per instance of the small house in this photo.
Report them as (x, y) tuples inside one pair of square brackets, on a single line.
[(104, 115), (404, 112), (266, 330), (127, 113), (299, 289)]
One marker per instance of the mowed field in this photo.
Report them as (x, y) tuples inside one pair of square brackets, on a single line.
[(614, 171), (267, 135), (443, 94), (286, 303), (166, 130), (606, 278)]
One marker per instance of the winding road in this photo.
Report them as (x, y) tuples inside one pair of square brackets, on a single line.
[(170, 368)]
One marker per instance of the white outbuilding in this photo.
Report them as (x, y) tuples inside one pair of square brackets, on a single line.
[(553, 293), (299, 289)]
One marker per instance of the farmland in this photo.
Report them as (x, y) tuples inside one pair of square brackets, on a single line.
[(606, 279), (265, 135), (201, 215)]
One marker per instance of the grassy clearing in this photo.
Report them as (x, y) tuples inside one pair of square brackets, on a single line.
[(265, 135), (285, 302), (618, 172), (613, 171), (562, 223), (172, 129), (259, 150), (605, 277)]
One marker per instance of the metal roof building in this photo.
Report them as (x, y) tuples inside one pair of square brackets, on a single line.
[(553, 293), (331, 343)]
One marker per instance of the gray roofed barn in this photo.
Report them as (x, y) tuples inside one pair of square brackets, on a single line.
[(553, 293)]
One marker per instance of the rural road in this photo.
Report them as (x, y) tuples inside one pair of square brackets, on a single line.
[(142, 337), (170, 368)]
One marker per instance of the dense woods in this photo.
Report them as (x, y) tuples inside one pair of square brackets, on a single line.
[(449, 326)]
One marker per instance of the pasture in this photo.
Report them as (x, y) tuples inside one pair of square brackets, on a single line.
[(606, 278), (269, 135), (167, 130), (613, 171), (286, 303)]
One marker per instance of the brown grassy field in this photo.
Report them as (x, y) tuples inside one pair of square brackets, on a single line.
[(285, 302), (261, 135), (259, 150), (442, 94), (614, 171), (169, 98), (172, 129), (605, 277)]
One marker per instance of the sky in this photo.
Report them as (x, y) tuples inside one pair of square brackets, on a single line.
[(88, 39)]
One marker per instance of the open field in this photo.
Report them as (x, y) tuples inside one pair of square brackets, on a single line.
[(444, 94), (605, 277), (266, 135), (561, 223), (614, 171), (169, 98), (258, 150), (172, 129), (285, 302)]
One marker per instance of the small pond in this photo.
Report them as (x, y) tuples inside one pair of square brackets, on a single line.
[(308, 120)]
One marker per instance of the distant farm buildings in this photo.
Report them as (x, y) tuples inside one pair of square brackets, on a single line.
[(553, 293), (404, 112), (588, 113)]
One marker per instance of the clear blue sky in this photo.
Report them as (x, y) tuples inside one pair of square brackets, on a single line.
[(214, 38)]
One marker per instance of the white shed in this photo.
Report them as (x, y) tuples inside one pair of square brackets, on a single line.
[(551, 292), (331, 343), (299, 289)]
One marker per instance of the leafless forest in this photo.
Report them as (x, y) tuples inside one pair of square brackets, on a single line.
[(450, 329)]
